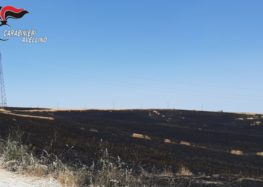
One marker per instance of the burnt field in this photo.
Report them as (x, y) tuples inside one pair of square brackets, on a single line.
[(209, 143)]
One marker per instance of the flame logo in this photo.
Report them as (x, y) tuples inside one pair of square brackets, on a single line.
[(8, 12), (11, 12)]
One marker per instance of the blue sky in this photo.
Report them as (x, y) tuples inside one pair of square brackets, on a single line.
[(138, 54)]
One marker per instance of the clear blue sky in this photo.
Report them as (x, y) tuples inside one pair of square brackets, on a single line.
[(185, 54)]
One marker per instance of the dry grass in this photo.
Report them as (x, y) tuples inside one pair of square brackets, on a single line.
[(184, 171), (259, 154), (68, 178), (168, 141), (36, 170), (16, 157), (7, 112), (185, 143), (141, 136), (167, 173), (107, 171), (237, 152), (256, 123)]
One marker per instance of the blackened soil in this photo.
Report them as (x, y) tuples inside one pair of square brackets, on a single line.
[(79, 136)]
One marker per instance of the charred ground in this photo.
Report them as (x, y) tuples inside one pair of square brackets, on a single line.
[(205, 142)]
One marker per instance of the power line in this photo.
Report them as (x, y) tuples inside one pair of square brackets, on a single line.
[(3, 102)]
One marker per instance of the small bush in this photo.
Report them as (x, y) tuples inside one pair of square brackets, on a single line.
[(184, 171)]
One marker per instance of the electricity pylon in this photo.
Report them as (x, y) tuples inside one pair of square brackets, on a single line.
[(3, 102)]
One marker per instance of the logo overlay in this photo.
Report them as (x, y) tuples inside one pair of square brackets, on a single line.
[(11, 12), (26, 35)]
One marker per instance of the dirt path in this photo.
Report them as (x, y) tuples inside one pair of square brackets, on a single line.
[(9, 179)]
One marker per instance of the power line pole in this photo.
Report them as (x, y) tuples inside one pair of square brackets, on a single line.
[(3, 102)]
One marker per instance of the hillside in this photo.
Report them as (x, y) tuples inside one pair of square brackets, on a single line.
[(228, 145)]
